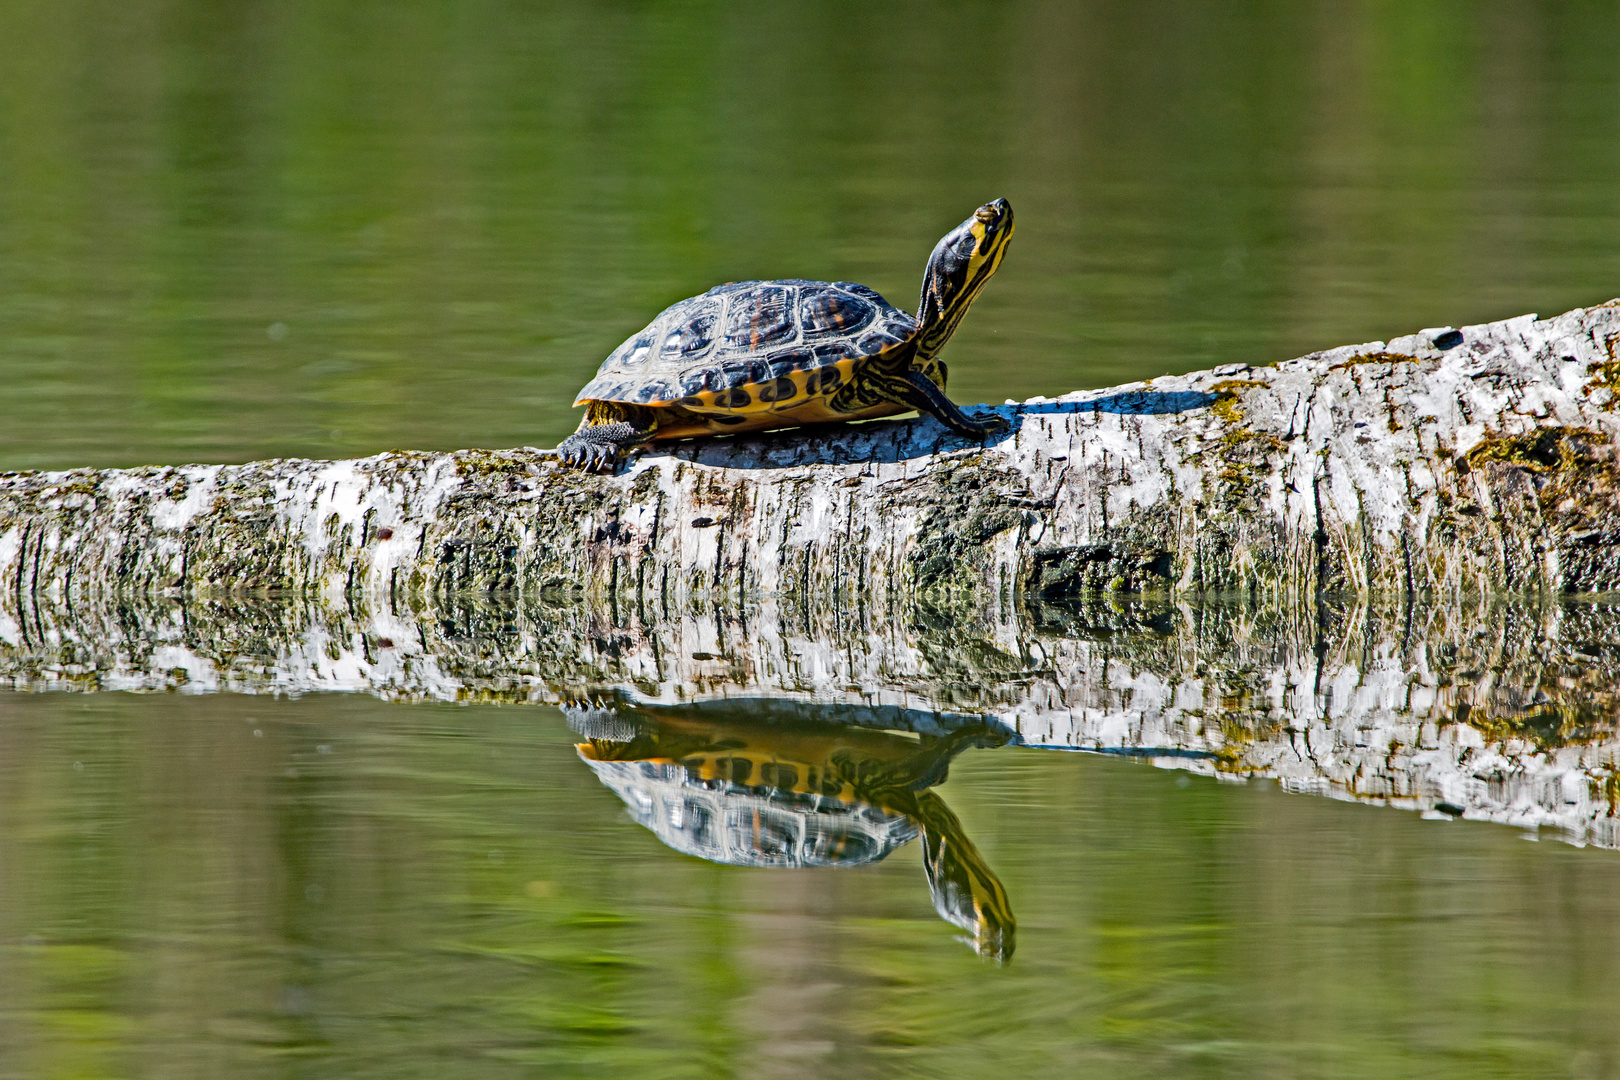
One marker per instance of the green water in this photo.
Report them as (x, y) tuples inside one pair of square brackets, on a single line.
[(233, 229), (219, 886), (454, 211)]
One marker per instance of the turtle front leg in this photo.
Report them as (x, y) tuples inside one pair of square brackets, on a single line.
[(610, 430), (917, 390)]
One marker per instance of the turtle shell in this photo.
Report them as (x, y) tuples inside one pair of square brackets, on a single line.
[(752, 825), (751, 347)]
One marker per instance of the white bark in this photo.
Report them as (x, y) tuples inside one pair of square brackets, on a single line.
[(1385, 468)]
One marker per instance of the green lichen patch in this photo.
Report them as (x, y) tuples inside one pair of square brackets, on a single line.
[(1570, 478), (1237, 467), (1245, 726), (968, 507), (480, 557), (1376, 358), (1604, 376), (1549, 725), (1248, 456), (1546, 449), (475, 463), (1226, 398), (1120, 566)]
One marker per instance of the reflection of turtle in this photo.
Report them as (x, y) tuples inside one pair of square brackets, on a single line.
[(779, 795), (754, 355)]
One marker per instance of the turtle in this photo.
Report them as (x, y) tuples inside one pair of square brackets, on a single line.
[(733, 788), (755, 355)]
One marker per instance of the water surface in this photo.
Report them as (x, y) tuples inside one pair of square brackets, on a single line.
[(341, 886), (772, 843), (233, 230)]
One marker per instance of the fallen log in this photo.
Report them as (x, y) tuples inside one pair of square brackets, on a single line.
[(1446, 462)]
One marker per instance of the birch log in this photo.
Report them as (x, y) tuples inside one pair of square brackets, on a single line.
[(1446, 462)]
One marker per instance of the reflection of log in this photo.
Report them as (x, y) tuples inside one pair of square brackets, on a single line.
[(1445, 462), (1411, 705)]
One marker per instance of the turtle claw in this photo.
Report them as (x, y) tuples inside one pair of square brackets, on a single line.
[(602, 459), (994, 424), (598, 720), (586, 454)]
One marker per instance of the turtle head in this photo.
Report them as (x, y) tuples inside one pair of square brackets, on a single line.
[(962, 262), (966, 892)]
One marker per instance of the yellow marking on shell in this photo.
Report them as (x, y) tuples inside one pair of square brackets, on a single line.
[(711, 400), (684, 421), (801, 387), (805, 778)]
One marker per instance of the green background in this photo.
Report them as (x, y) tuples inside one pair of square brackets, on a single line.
[(456, 210)]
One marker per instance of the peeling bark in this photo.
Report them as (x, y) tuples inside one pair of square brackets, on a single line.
[(1441, 463)]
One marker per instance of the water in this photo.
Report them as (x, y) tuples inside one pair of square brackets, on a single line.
[(342, 886), (755, 843), (231, 231)]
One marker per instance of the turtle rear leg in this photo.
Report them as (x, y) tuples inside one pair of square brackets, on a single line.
[(917, 390), (610, 430)]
